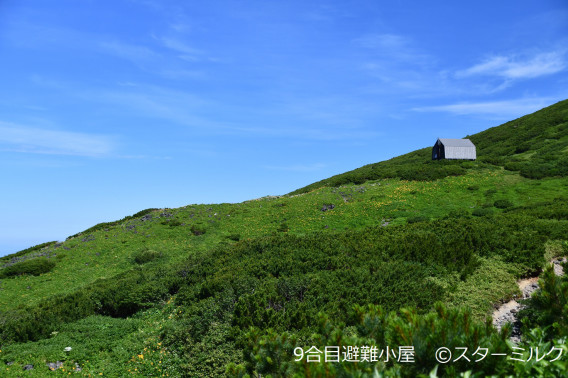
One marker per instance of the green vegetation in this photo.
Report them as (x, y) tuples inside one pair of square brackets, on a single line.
[(145, 256), (535, 145), (374, 326), (33, 267), (406, 252), (27, 251), (503, 204)]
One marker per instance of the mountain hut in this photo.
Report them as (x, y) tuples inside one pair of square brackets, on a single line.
[(453, 149)]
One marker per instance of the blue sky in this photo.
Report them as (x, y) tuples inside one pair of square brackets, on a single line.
[(111, 107)]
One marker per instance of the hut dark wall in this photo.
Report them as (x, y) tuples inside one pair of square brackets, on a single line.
[(438, 151)]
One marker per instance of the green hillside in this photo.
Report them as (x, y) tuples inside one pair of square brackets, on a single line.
[(535, 145), (404, 252)]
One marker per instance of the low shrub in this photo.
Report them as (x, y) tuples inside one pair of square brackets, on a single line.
[(33, 267), (197, 230), (269, 352), (490, 192), (234, 237), (416, 219), (503, 204), (483, 212), (145, 256), (283, 228), (172, 223)]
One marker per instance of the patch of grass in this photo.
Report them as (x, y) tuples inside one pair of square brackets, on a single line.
[(492, 282), (555, 248)]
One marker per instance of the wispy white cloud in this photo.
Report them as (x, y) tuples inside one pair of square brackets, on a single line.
[(397, 63), (169, 63), (393, 48), (518, 67), (27, 139), (179, 107), (134, 53), (500, 109), (180, 46)]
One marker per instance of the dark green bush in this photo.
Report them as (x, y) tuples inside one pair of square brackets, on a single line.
[(548, 306), (416, 219), (483, 212), (522, 148), (490, 192), (283, 227), (269, 353), (33, 267), (145, 256), (503, 204), (234, 237), (459, 213), (171, 223), (473, 187), (119, 296), (197, 230)]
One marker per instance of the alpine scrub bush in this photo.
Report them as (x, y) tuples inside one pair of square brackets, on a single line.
[(146, 255), (234, 237), (120, 297), (33, 267), (283, 227), (282, 354), (503, 204), (482, 212), (548, 306), (416, 219), (197, 230), (171, 223)]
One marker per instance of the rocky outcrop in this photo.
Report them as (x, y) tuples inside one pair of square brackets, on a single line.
[(507, 312)]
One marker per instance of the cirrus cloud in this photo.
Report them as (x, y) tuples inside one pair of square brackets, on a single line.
[(515, 67), (27, 139)]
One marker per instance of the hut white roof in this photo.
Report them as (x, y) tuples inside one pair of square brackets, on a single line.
[(456, 142)]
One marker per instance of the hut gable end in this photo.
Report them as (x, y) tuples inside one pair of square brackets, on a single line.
[(454, 149)]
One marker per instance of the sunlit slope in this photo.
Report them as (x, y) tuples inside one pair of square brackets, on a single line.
[(536, 145), (176, 233), (175, 291)]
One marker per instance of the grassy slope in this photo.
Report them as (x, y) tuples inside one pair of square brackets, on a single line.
[(103, 254), (109, 250), (536, 145)]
